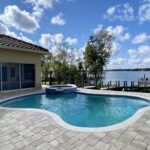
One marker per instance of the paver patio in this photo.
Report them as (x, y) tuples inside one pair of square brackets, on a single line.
[(31, 130)]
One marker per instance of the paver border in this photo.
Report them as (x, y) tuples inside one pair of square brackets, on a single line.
[(66, 125)]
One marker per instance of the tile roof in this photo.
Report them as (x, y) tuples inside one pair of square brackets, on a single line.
[(12, 42)]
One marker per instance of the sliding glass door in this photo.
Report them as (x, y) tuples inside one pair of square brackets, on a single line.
[(0, 76), (16, 76), (10, 76), (27, 75)]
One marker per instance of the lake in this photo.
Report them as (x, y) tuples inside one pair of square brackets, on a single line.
[(125, 75)]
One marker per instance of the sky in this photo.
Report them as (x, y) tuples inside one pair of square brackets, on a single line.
[(44, 22)]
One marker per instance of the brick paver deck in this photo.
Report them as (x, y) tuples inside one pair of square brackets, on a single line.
[(31, 130)]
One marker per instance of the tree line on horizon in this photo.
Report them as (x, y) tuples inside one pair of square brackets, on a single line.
[(61, 67), (133, 69)]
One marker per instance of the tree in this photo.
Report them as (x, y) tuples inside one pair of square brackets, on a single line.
[(62, 62), (46, 65), (97, 54)]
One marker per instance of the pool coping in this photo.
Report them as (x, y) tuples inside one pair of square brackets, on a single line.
[(66, 125)]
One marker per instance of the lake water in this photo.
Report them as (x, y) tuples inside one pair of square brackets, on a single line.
[(126, 75)]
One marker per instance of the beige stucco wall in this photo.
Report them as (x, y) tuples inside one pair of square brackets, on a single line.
[(15, 56)]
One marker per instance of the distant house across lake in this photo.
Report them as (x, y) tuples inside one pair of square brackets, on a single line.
[(20, 64)]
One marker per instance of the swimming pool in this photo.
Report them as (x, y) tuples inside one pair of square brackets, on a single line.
[(83, 110)]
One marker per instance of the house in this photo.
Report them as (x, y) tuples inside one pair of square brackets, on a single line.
[(20, 64)]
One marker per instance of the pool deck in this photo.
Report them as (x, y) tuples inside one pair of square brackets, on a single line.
[(34, 130)]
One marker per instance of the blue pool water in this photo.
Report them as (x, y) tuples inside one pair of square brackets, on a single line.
[(83, 110)]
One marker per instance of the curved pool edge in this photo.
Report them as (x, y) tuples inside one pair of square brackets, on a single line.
[(66, 125)]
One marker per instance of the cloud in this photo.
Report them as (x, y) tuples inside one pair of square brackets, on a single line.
[(146, 60), (140, 38), (111, 10), (21, 20), (144, 49), (133, 53), (134, 62), (52, 40), (98, 28), (118, 61), (58, 20), (118, 32), (58, 38), (37, 12), (141, 51), (115, 48), (39, 6), (24, 38), (71, 41), (123, 63), (144, 11), (123, 12), (4, 30), (41, 3), (137, 59), (45, 40)]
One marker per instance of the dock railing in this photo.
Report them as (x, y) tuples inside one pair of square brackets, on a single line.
[(124, 84)]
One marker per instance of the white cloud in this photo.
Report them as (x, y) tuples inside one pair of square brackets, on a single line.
[(52, 40), (118, 32), (58, 38), (111, 10), (58, 20), (123, 63), (133, 62), (141, 51), (39, 6), (21, 20), (125, 37), (144, 11), (145, 50), (140, 38), (115, 48), (123, 12), (98, 28), (37, 12), (45, 40), (118, 61), (137, 58), (71, 41), (41, 3), (4, 30), (133, 53), (49, 40), (24, 38), (146, 60)]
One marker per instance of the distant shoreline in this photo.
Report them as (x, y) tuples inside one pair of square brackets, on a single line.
[(135, 69)]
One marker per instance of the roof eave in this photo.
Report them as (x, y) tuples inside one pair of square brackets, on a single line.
[(23, 50)]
